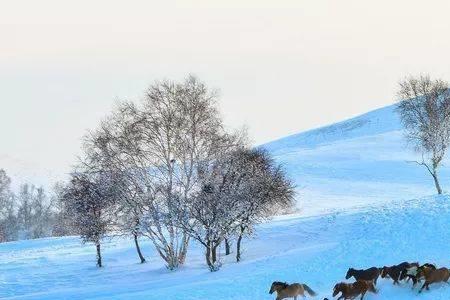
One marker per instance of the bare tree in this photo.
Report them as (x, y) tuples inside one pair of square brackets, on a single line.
[(27, 215), (424, 110), (240, 188), (265, 192), (34, 212), (159, 144), (89, 198), (8, 219), (106, 150), (63, 224)]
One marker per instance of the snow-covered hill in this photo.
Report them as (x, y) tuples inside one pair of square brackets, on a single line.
[(355, 186), (360, 161)]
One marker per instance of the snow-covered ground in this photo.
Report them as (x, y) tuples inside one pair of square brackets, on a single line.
[(315, 250), (354, 187)]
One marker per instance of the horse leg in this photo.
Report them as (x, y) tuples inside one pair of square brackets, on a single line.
[(414, 280), (396, 277), (423, 286)]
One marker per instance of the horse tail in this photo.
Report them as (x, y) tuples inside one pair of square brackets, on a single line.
[(309, 290)]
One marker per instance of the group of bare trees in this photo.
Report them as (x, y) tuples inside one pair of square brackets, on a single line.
[(424, 109), (27, 214), (166, 169)]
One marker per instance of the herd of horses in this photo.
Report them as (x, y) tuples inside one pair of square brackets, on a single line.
[(366, 280)]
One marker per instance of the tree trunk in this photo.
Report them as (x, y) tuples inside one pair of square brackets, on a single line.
[(436, 181), (99, 256), (183, 249), (238, 247), (238, 243), (214, 254), (227, 247), (208, 256), (138, 249), (211, 256)]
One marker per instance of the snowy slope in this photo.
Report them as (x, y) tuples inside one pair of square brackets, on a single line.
[(316, 250), (361, 161), (354, 185)]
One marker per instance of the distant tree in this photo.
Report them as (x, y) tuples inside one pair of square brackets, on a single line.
[(42, 217), (34, 213), (8, 219), (424, 110), (25, 211)]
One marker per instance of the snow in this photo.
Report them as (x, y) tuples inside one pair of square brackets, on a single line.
[(355, 210)]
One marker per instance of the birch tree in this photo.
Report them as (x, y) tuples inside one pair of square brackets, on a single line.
[(424, 110), (160, 143)]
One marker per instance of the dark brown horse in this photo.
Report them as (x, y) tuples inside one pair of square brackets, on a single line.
[(395, 271), (353, 290), (368, 274), (433, 276)]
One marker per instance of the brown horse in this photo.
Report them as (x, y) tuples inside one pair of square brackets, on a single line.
[(433, 276), (395, 271), (352, 290), (368, 274), (413, 274), (285, 290)]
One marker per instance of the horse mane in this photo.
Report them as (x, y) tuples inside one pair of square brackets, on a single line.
[(339, 286), (283, 284)]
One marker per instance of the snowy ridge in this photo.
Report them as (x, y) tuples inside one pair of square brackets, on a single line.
[(362, 161), (378, 121)]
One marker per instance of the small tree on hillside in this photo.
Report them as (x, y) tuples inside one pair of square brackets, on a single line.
[(89, 198), (424, 110), (266, 191)]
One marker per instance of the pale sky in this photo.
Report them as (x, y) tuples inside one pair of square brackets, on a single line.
[(281, 66)]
